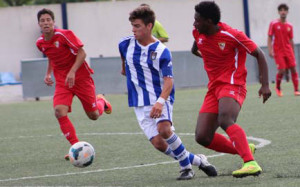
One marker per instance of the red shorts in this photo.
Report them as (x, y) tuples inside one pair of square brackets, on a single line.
[(84, 89), (284, 61), (211, 100)]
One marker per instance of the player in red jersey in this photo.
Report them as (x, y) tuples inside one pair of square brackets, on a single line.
[(223, 50), (281, 47), (72, 74)]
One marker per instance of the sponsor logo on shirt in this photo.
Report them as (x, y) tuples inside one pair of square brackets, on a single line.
[(222, 45), (278, 27), (56, 43), (153, 55), (231, 92)]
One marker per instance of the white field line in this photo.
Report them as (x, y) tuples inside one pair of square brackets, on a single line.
[(261, 143)]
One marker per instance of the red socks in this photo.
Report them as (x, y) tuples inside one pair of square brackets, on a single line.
[(221, 144), (295, 80), (278, 80), (100, 105), (68, 129), (238, 137)]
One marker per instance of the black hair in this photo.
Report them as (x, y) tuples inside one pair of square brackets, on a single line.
[(144, 13), (209, 10), (45, 11), (283, 6)]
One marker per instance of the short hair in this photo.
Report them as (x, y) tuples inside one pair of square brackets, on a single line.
[(283, 6), (144, 13), (209, 10), (45, 11)]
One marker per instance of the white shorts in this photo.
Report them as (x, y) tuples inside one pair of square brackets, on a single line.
[(148, 124)]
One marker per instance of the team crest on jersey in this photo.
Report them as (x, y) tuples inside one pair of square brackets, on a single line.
[(153, 55), (56, 43), (289, 29), (278, 27), (222, 45)]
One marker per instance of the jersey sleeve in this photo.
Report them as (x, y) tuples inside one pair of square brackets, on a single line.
[(72, 40), (38, 45), (245, 42), (123, 45), (271, 32), (165, 63)]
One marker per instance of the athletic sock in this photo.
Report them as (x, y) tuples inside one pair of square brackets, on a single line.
[(194, 159), (278, 80), (239, 140), (100, 105), (179, 151), (222, 144), (295, 80), (68, 129)]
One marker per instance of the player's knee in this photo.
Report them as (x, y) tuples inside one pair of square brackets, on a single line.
[(225, 119), (203, 140), (93, 116), (59, 113), (159, 144)]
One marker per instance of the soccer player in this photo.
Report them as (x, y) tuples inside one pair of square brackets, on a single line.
[(158, 30), (281, 47), (72, 74), (223, 50), (147, 64)]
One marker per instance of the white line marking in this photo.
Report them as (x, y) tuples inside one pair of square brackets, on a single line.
[(262, 143)]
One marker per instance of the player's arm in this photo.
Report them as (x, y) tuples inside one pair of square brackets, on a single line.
[(195, 50), (47, 80), (264, 77), (158, 106), (123, 66), (70, 79), (270, 47), (292, 44)]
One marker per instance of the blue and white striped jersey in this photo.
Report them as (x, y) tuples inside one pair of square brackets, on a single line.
[(145, 68)]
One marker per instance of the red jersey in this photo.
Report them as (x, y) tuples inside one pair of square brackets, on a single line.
[(61, 51), (224, 55), (281, 34)]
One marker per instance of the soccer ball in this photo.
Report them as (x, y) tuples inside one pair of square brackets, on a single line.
[(81, 154)]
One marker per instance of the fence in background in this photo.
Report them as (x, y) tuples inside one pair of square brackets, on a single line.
[(188, 72)]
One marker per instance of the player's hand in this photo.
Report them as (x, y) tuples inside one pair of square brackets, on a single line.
[(123, 72), (156, 110), (271, 54), (265, 92), (48, 81), (70, 79)]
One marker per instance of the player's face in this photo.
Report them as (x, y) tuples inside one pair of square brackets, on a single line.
[(140, 30), (283, 13), (200, 24), (46, 23)]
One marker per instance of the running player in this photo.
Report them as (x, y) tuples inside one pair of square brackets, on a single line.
[(66, 58), (223, 50)]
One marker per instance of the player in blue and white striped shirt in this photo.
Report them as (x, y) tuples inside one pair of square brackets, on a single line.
[(147, 64)]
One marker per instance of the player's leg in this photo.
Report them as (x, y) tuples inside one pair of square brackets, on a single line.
[(291, 64), (228, 112), (281, 69), (207, 124), (178, 149), (93, 105), (205, 134)]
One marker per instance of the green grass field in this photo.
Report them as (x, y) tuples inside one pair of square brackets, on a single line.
[(32, 147)]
